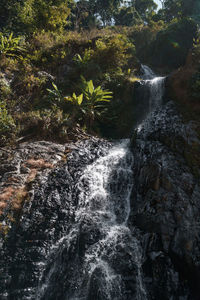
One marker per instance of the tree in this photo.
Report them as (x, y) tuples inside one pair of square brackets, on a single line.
[(177, 9), (9, 12), (83, 15), (105, 9), (135, 12), (44, 14), (126, 16)]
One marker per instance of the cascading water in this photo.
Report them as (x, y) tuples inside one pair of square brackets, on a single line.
[(151, 93), (155, 85), (103, 207), (75, 229)]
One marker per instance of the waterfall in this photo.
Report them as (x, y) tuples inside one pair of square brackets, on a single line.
[(147, 73), (151, 93), (155, 85), (74, 241), (104, 205)]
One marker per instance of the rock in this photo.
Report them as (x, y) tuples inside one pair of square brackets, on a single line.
[(165, 202)]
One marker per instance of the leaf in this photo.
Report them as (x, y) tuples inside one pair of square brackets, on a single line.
[(80, 99), (55, 86), (68, 98), (90, 86)]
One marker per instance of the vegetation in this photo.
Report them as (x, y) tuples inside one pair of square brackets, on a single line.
[(69, 63)]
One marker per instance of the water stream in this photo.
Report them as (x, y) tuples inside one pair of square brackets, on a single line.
[(103, 207), (92, 254)]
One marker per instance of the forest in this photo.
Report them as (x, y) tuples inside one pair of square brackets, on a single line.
[(72, 65)]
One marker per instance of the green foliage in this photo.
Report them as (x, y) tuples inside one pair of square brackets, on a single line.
[(177, 9), (85, 59), (144, 8), (42, 14), (7, 124), (94, 95), (51, 124), (142, 37), (95, 102), (171, 45), (87, 107), (75, 100), (105, 9), (127, 16), (83, 16), (55, 94), (11, 46), (113, 52)]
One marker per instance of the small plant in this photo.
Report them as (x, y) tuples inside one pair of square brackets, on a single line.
[(87, 56), (11, 47), (55, 94), (95, 101)]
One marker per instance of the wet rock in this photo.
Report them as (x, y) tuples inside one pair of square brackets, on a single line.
[(165, 203)]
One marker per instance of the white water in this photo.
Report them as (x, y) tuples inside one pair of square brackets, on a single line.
[(107, 201), (155, 86), (105, 205), (147, 73)]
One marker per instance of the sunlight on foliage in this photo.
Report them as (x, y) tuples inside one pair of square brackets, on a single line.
[(11, 46)]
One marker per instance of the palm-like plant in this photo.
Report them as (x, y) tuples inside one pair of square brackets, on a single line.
[(95, 103), (10, 46), (88, 106)]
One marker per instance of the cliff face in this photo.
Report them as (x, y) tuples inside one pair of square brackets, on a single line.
[(166, 204), (63, 213)]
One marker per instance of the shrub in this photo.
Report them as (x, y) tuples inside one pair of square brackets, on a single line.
[(11, 47), (94, 104), (172, 44), (51, 124), (7, 125), (113, 51)]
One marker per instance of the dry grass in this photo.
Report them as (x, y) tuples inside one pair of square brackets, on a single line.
[(18, 198), (6, 194), (31, 175), (5, 197), (12, 196), (38, 164), (15, 196), (13, 180)]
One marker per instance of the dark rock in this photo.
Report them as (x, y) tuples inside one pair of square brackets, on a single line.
[(165, 204)]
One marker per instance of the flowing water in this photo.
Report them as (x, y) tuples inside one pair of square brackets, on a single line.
[(155, 87), (102, 211), (88, 251)]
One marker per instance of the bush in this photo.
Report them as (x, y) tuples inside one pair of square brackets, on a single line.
[(172, 44), (7, 125), (11, 47), (142, 37), (44, 124)]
